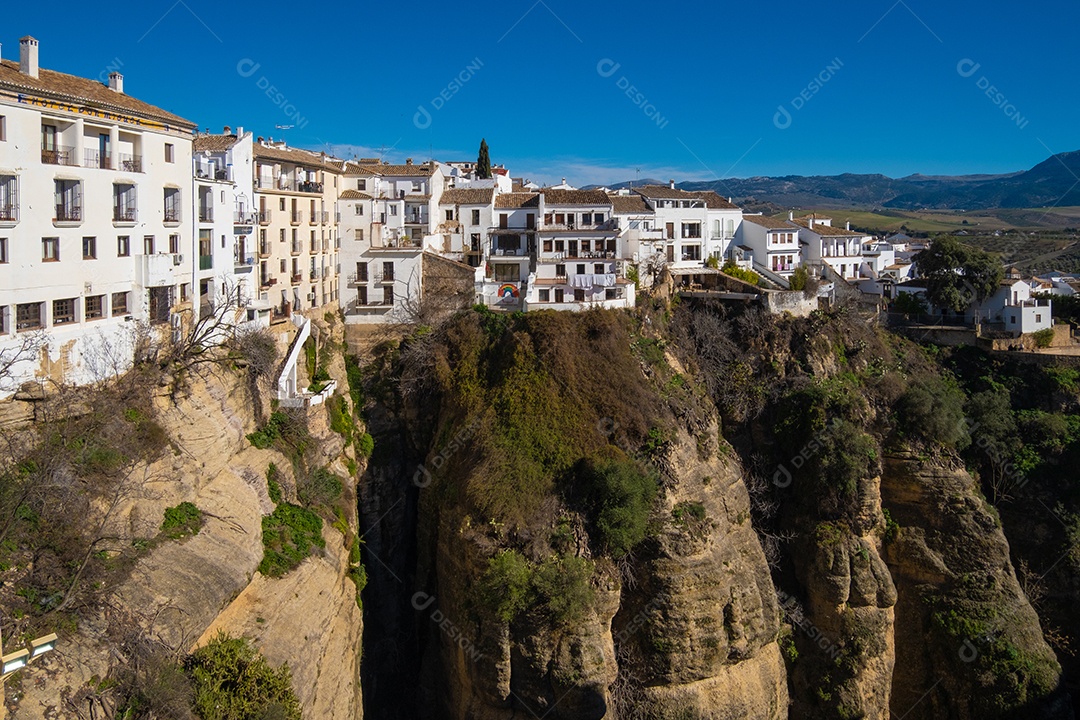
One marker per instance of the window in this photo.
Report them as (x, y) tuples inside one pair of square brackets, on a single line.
[(281, 267), (50, 249), (185, 290), (48, 139), (1038, 318), (361, 295), (174, 243), (361, 271), (28, 316), (124, 203), (560, 246), (417, 186), (475, 217), (361, 184), (581, 268), (63, 311), (68, 197), (89, 248), (170, 153), (388, 296), (119, 303), (9, 197), (3, 250), (611, 294), (691, 230), (148, 244), (3, 128), (504, 220), (123, 245), (94, 307), (507, 272), (172, 204), (281, 204), (598, 268), (560, 270), (545, 296), (359, 208), (388, 271), (579, 295), (547, 246), (393, 210), (559, 295)]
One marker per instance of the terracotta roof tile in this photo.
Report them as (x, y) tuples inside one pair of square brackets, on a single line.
[(213, 143), (353, 195), (421, 170), (630, 204), (769, 222), (297, 156), (517, 200), (663, 192), (467, 196), (828, 230), (714, 201), (77, 90), (575, 197)]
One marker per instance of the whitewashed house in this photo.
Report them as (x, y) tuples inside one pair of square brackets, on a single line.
[(773, 243), (695, 225), (96, 221), (839, 248)]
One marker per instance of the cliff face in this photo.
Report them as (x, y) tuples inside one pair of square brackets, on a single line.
[(968, 642), (178, 593)]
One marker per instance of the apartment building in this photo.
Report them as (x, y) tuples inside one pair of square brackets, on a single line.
[(225, 224), (773, 243), (839, 248), (95, 218), (296, 193), (694, 225), (466, 218), (511, 256)]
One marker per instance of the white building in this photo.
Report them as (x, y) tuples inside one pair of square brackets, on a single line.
[(774, 243), (95, 218), (695, 225), (839, 248), (1013, 309)]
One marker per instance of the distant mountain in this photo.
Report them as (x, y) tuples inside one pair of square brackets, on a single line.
[(1052, 182)]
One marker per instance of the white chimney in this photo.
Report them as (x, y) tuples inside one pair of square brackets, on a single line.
[(28, 56), (790, 214), (847, 225), (671, 183), (116, 82)]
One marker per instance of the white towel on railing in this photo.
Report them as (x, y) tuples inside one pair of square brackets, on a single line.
[(581, 281), (604, 280)]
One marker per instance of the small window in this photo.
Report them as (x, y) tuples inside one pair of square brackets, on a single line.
[(3, 128), (598, 268), (611, 294), (63, 311), (362, 271), (94, 307), (393, 210), (50, 249), (185, 290), (475, 217), (281, 205), (388, 296), (123, 246), (282, 266), (560, 270), (450, 215), (361, 184), (170, 153), (89, 248), (174, 243), (1038, 318), (547, 246), (3, 250), (119, 303), (148, 244), (581, 268), (359, 208), (545, 296), (579, 295), (28, 316)]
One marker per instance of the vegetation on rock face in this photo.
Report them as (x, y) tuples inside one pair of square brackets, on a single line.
[(290, 534), (559, 587), (618, 495), (232, 681), (180, 521)]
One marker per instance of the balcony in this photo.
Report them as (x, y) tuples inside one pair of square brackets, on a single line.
[(131, 163), (297, 278), (206, 262), (94, 159), (267, 281), (124, 214), (9, 213), (243, 264), (354, 281), (309, 187), (206, 214), (59, 156), (244, 218), (296, 217), (509, 252), (264, 249), (264, 217), (172, 215), (610, 224), (314, 274), (68, 213)]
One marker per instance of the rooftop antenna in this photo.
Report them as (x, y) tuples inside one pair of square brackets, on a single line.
[(284, 127)]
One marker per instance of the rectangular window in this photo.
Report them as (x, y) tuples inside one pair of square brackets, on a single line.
[(388, 296), (185, 290), (560, 270), (50, 249), (359, 208), (559, 292), (507, 272), (362, 271), (63, 311), (28, 316), (560, 246), (691, 230), (361, 184), (172, 204), (547, 246), (579, 295), (123, 245), (89, 248), (170, 153), (282, 265), (94, 307), (450, 215), (3, 128), (361, 295), (174, 244), (3, 250), (119, 303), (581, 268), (611, 294), (68, 200), (388, 271), (148, 245), (598, 268), (393, 210), (124, 203), (545, 296), (9, 197), (475, 217)]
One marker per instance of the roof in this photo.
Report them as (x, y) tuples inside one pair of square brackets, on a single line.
[(353, 195), (213, 143), (407, 170), (629, 204), (72, 89), (575, 197), (517, 200), (714, 201), (664, 192), (467, 196), (295, 155), (768, 222), (828, 229)]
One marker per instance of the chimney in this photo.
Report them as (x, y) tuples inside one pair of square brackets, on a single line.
[(790, 214), (116, 82), (730, 201), (408, 161), (671, 183), (847, 225), (239, 131), (28, 56), (228, 130)]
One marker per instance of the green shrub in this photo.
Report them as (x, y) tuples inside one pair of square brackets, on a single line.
[(505, 588), (799, 278), (563, 584), (340, 417), (618, 496), (1043, 338), (233, 681), (748, 276), (182, 520), (290, 534), (933, 409), (365, 445), (355, 377), (319, 488), (273, 487), (288, 432)]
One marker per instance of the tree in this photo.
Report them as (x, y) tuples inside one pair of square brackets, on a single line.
[(957, 275), (483, 161)]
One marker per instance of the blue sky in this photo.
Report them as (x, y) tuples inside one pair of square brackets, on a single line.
[(603, 92)]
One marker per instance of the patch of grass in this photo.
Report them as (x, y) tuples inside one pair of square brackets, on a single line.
[(290, 534), (273, 487), (365, 445), (181, 521), (320, 488)]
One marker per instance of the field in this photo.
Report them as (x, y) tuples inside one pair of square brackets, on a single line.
[(953, 221)]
